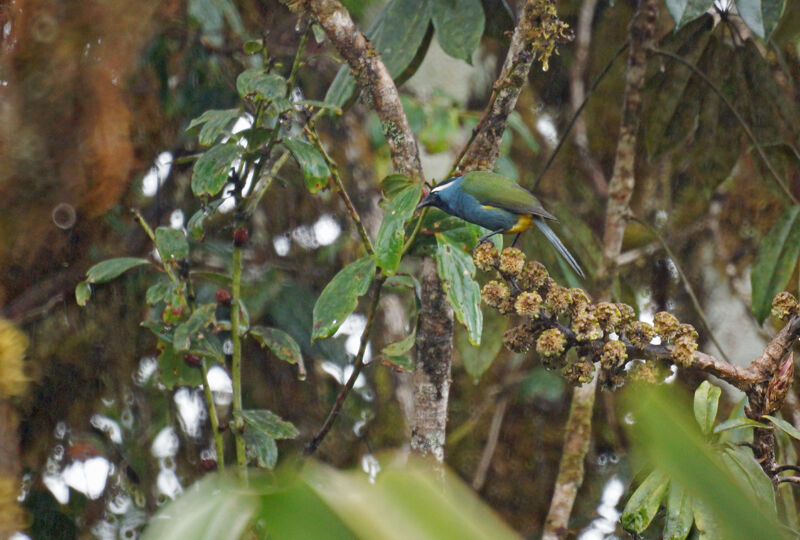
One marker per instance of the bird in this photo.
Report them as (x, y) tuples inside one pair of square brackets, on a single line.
[(497, 203)]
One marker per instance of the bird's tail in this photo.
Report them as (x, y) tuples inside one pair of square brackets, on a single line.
[(560, 247)]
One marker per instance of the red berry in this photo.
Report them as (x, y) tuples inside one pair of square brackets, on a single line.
[(223, 297), (192, 360), (240, 236), (208, 464)]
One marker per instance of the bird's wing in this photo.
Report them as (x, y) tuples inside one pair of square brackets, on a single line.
[(492, 189)]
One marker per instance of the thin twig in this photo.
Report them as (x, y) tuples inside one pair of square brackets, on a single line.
[(738, 116), (358, 364), (212, 415), (479, 479)]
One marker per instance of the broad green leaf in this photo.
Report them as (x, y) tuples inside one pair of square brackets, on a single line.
[(393, 184), (746, 470), (761, 16), (214, 122), (187, 331), (736, 423), (256, 84), (397, 34), (644, 503), (706, 402), (340, 296), (401, 347), (211, 171), (172, 244), (269, 423), (478, 359), (684, 11), (680, 516), (278, 342), (173, 370), (457, 272), (260, 447), (390, 239), (112, 268), (788, 428), (775, 262), (459, 26), (157, 292), (312, 163), (83, 291)]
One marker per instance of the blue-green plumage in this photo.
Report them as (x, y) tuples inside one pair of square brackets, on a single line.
[(496, 203)]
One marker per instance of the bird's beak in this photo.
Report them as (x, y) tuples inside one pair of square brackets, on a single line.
[(427, 201)]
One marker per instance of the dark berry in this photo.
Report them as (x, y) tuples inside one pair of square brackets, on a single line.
[(223, 297), (240, 236)]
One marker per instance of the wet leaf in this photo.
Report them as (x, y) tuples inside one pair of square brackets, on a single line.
[(390, 239), (312, 163), (787, 428), (112, 268), (641, 508), (257, 85), (278, 342), (340, 296), (459, 26), (761, 16), (269, 423), (775, 262), (83, 291), (680, 516), (211, 171), (172, 244), (260, 447), (684, 11), (214, 123), (457, 272), (198, 320), (706, 402)]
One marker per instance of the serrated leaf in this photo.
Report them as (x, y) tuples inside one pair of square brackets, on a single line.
[(457, 272), (112, 268), (340, 297), (214, 122), (257, 85), (269, 423), (260, 448), (278, 342), (397, 34), (749, 474), (684, 11), (706, 402), (198, 320), (211, 170), (459, 26), (172, 244), (156, 293), (775, 262), (83, 291), (390, 239), (393, 184), (312, 163), (788, 428), (641, 508), (737, 423), (680, 515), (761, 16)]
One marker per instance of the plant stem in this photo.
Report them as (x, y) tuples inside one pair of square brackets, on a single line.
[(212, 415), (358, 364), (236, 365), (152, 237)]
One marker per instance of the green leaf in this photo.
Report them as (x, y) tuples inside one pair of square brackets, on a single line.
[(737, 423), (269, 423), (340, 296), (684, 11), (397, 34), (278, 342), (172, 244), (706, 402), (390, 239), (393, 184), (478, 359), (199, 319), (459, 26), (775, 262), (312, 163), (252, 46), (156, 293), (214, 122), (644, 503), (211, 171), (260, 448), (400, 363), (83, 291), (761, 16), (749, 474), (173, 370), (516, 123), (680, 516), (457, 272), (788, 428), (399, 348), (112, 268), (257, 85)]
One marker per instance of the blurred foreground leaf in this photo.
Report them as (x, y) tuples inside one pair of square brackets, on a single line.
[(775, 262)]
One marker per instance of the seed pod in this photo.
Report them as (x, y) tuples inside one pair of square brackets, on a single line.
[(528, 304), (551, 343), (486, 257), (512, 261)]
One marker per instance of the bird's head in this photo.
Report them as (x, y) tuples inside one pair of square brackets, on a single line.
[(442, 194)]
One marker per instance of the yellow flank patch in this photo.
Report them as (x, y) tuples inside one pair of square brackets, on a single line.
[(524, 222)]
